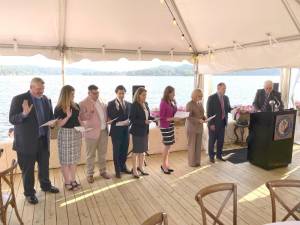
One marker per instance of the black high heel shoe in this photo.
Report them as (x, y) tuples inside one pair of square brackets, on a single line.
[(165, 172), (170, 170), (142, 172), (134, 176)]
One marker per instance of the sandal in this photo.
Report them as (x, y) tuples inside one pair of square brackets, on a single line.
[(69, 187), (75, 185)]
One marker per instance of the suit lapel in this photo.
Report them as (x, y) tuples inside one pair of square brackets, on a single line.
[(127, 108), (46, 107), (218, 102), (142, 112)]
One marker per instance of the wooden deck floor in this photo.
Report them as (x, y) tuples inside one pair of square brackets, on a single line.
[(130, 202)]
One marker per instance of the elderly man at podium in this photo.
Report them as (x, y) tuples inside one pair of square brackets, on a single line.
[(267, 99)]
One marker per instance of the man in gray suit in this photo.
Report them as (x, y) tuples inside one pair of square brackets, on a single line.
[(264, 96), (28, 111)]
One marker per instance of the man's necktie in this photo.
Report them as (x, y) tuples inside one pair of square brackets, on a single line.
[(123, 105), (222, 107), (264, 107)]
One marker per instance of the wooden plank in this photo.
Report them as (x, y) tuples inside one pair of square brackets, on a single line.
[(80, 201), (99, 187), (50, 209), (39, 209), (28, 213), (62, 216), (128, 201), (85, 200), (72, 209)]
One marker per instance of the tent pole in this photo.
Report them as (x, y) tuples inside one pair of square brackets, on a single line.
[(196, 75), (63, 67), (285, 82), (291, 14)]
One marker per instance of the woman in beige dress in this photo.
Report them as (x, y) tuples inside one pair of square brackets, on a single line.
[(194, 127)]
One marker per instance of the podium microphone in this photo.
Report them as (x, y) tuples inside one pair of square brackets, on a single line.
[(278, 103), (272, 104)]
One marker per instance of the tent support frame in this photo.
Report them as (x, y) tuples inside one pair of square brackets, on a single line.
[(291, 14)]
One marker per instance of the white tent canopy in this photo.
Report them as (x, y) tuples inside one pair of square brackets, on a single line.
[(225, 34)]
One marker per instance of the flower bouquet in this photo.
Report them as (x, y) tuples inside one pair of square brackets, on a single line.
[(155, 112), (297, 105), (241, 114)]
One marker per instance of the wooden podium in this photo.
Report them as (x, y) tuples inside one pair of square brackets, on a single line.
[(271, 138)]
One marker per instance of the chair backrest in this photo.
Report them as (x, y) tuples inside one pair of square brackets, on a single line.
[(158, 218), (7, 176), (272, 185), (232, 190)]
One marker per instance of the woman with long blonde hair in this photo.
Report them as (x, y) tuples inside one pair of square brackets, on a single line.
[(69, 140), (140, 119), (194, 127)]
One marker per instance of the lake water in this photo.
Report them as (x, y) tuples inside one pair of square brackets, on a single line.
[(240, 89)]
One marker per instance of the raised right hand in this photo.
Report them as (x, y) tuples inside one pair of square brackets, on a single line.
[(69, 113), (26, 107)]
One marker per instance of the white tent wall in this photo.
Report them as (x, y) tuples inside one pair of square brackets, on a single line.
[(83, 29), (285, 80), (228, 35), (24, 50), (76, 54), (270, 56)]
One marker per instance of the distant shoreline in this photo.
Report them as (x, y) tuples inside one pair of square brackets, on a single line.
[(136, 75)]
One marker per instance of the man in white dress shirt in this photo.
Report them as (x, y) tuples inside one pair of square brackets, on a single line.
[(94, 114)]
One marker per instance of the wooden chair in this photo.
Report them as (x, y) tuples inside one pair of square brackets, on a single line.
[(158, 218), (8, 198), (272, 185), (232, 190)]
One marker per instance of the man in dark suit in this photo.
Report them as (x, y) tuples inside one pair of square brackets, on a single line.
[(217, 104), (27, 113), (264, 96), (118, 110)]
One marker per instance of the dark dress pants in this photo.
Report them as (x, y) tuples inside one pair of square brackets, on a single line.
[(120, 144), (27, 163), (216, 136)]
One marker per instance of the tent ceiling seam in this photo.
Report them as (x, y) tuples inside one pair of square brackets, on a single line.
[(62, 23), (181, 21), (256, 44), (298, 1), (58, 48), (291, 14)]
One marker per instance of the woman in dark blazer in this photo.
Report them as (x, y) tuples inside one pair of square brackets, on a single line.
[(140, 119)]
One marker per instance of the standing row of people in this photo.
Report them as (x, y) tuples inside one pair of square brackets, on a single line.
[(30, 110)]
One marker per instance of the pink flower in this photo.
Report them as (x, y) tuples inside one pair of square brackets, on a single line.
[(242, 109), (297, 104), (155, 112), (181, 109)]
